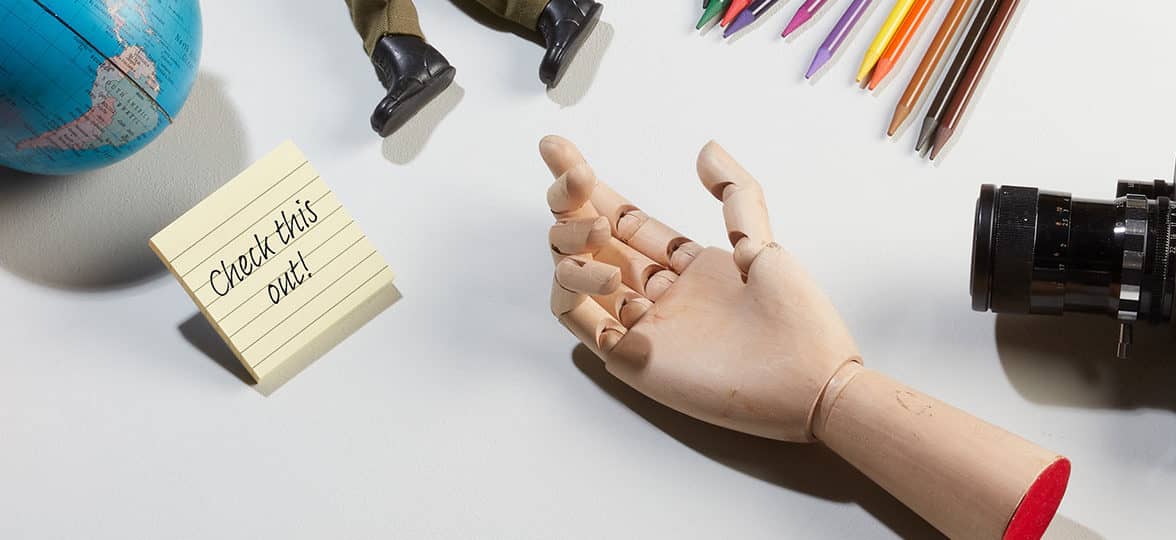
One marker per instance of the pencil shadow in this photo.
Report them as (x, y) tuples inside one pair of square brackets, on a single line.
[(857, 28), (89, 231), (915, 50), (751, 28), (706, 28), (487, 18), (403, 146), (582, 72), (813, 22), (808, 468), (982, 86), (1070, 361)]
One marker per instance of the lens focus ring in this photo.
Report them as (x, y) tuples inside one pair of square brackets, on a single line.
[(1012, 261), (1134, 252)]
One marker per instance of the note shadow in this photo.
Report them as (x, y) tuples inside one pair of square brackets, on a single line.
[(808, 468), (200, 334), (406, 143), (89, 231), (1070, 361)]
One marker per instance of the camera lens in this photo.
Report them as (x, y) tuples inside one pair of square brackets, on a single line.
[(1047, 252)]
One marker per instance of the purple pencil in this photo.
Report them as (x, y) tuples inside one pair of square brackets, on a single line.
[(837, 36), (803, 14), (749, 15)]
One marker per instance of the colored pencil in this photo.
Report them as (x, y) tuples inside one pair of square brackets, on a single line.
[(803, 14), (749, 15), (837, 36), (736, 7), (889, 27), (898, 44), (713, 9), (922, 77), (955, 72), (972, 76)]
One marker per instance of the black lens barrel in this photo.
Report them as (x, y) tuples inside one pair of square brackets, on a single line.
[(1047, 252)]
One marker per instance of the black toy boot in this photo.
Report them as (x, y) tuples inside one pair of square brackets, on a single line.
[(565, 24), (413, 72)]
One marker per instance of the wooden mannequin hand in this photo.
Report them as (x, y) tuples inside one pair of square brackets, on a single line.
[(747, 341), (744, 340)]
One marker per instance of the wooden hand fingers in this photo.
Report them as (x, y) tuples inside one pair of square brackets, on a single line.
[(744, 209), (639, 272), (579, 236), (651, 237)]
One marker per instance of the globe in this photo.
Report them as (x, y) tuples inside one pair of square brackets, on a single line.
[(86, 83)]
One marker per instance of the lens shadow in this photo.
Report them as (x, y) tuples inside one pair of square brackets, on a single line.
[(1070, 361)]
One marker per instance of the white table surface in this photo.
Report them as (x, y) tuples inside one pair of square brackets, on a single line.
[(462, 411)]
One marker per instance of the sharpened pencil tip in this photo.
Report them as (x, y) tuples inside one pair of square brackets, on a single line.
[(901, 112), (941, 136), (926, 133), (819, 60), (881, 69), (797, 21), (742, 21)]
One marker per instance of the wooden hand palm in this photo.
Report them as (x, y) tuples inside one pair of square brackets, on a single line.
[(744, 340)]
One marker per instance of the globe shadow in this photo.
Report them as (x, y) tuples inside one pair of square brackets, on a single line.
[(808, 468), (89, 231), (1070, 361)]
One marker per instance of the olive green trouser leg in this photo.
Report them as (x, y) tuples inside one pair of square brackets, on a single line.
[(374, 19), (524, 12)]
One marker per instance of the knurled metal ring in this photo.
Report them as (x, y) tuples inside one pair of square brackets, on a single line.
[(1134, 226)]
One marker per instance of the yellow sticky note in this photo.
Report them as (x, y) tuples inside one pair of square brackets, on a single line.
[(276, 264)]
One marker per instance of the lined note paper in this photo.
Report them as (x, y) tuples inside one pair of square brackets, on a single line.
[(276, 263)]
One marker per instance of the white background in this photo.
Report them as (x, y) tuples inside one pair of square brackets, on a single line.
[(462, 411)]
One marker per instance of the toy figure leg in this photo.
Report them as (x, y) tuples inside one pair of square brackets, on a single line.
[(524, 12), (412, 71), (564, 25), (374, 19)]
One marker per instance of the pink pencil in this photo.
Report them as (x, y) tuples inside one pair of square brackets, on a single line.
[(803, 14)]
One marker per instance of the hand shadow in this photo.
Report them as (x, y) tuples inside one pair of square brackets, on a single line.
[(1070, 360), (89, 231), (808, 468)]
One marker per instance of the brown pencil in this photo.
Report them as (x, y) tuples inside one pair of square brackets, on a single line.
[(967, 88), (984, 13), (938, 49)]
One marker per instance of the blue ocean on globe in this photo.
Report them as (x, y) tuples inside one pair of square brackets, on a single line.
[(86, 83)]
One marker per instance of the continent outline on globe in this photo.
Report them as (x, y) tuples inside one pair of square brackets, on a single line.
[(73, 123)]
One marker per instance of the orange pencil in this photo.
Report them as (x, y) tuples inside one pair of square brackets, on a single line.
[(902, 38)]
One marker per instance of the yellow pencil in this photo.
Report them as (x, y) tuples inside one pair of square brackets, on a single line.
[(901, 7)]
